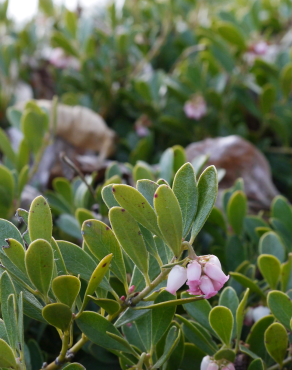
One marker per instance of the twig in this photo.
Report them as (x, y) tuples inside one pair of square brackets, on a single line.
[(68, 161), (277, 366)]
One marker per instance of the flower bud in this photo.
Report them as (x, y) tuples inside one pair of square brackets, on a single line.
[(131, 289), (213, 366), (194, 271), (215, 273), (176, 278), (260, 312), (205, 363), (207, 287)]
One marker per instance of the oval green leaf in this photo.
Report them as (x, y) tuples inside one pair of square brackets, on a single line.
[(66, 289), (58, 315), (270, 268), (7, 359), (39, 262), (15, 252), (281, 306), (276, 342), (169, 218), (40, 220), (236, 211), (221, 320)]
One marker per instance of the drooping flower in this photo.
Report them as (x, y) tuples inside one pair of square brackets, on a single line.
[(207, 287), (215, 273), (205, 363), (196, 107), (176, 279), (194, 271), (213, 366)]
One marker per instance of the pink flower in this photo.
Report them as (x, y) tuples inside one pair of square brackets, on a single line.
[(196, 108), (176, 279), (215, 260), (260, 48), (215, 273), (205, 363), (213, 366), (207, 287), (60, 60), (230, 366), (194, 271), (142, 131)]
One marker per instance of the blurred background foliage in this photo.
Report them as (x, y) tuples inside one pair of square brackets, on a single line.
[(141, 65)]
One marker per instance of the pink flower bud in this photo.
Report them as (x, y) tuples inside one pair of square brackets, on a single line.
[(213, 366), (194, 271), (215, 260), (230, 366), (176, 278), (205, 363), (215, 273), (207, 287), (260, 312), (131, 289)]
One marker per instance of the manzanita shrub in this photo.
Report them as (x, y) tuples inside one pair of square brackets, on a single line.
[(124, 289)]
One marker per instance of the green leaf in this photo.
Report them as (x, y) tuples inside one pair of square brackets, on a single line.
[(225, 354), (169, 218), (267, 98), (166, 165), (7, 358), (71, 22), (221, 320), (110, 306), (61, 268), (95, 327), (96, 278), (236, 211), (20, 326), (199, 310), (101, 241), (8, 230), (22, 180), (228, 298), (286, 274), (40, 220), (282, 211), (34, 125), (78, 262), (5, 147), (7, 289), (130, 315), (6, 192), (270, 268), (149, 242), (248, 283), (144, 327), (36, 355), (58, 315), (192, 357), (147, 188), (69, 225), (270, 243), (255, 339), (176, 357), (286, 80), (142, 171), (108, 197), (129, 236), (113, 170), (199, 162), (276, 341), (3, 332), (179, 158), (39, 261), (22, 155), (232, 34), (186, 192), (66, 289), (74, 366), (281, 307), (62, 186), (207, 188), (82, 215), (235, 252), (256, 365), (240, 313), (15, 252), (197, 335), (161, 317), (171, 342), (136, 204), (12, 318)]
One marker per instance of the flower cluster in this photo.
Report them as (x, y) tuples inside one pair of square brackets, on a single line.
[(204, 276), (209, 364)]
